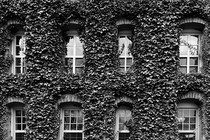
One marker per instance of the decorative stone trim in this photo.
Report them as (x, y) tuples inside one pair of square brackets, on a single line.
[(193, 95), (14, 22), (124, 99), (14, 100), (69, 98), (193, 20), (125, 21)]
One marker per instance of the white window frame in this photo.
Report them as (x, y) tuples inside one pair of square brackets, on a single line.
[(117, 131), (125, 33), (189, 32), (74, 57), (62, 131), (13, 122), (191, 106), (13, 51)]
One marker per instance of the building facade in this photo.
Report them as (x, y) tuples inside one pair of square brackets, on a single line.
[(105, 70)]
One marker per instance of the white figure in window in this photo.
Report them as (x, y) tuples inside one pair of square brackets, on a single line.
[(22, 43), (124, 46)]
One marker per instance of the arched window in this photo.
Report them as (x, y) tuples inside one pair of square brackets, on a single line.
[(188, 120), (125, 35), (123, 115), (190, 45), (18, 47), (74, 56), (72, 123), (17, 118)]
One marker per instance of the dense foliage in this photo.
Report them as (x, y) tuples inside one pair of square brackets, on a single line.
[(154, 82)]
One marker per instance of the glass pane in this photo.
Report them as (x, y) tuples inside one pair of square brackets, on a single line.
[(192, 113), (193, 50), (179, 126), (182, 61), (79, 51), (66, 127), (69, 46), (73, 113), (186, 113), (72, 136), (19, 136), (18, 61), (122, 62), (192, 120), (79, 127), (18, 113), (186, 126), (73, 119), (122, 69), (193, 69), (193, 39), (193, 61), (79, 62), (121, 119), (129, 62), (183, 50), (183, 39), (192, 126), (18, 40), (24, 126), (66, 112), (18, 127), (66, 120), (78, 70), (17, 50), (121, 126), (183, 69), (80, 120), (73, 126), (18, 119), (124, 136), (186, 120)]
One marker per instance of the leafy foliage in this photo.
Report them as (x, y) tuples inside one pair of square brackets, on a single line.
[(153, 83)]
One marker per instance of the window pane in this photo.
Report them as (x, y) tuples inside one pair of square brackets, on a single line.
[(122, 62), (17, 50), (79, 127), (73, 119), (193, 39), (66, 112), (70, 46), (18, 127), (192, 126), (72, 136), (66, 120), (129, 62), (66, 127), (19, 136), (79, 61), (186, 126), (192, 112), (183, 61), (193, 69), (193, 50), (124, 136), (186, 120), (193, 61), (192, 120), (18, 119), (18, 61), (78, 70), (183, 50), (183, 69), (73, 127)]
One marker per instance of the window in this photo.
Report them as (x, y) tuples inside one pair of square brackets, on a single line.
[(125, 43), (189, 52), (123, 115), (18, 123), (72, 124), (18, 50), (74, 57), (188, 121)]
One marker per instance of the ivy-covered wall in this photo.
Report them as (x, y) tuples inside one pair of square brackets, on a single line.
[(154, 82)]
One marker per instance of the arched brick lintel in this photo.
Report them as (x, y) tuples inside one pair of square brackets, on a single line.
[(124, 99), (14, 100), (193, 95), (193, 20), (67, 98)]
